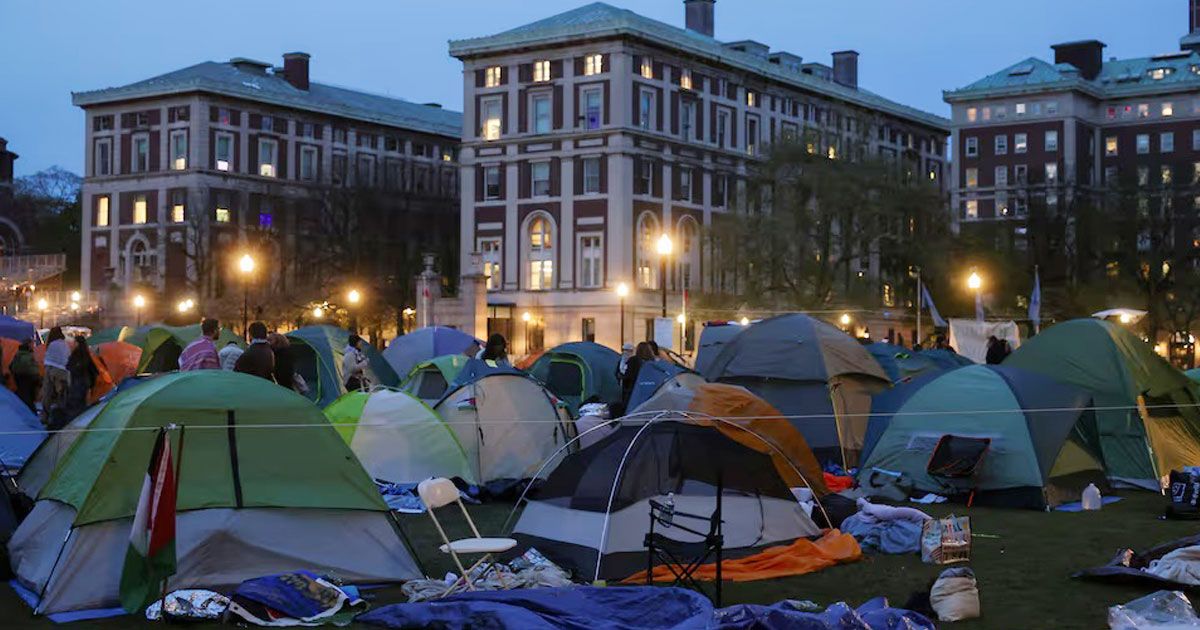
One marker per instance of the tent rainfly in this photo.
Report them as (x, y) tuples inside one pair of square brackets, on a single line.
[(317, 352), (579, 371), (430, 380), (406, 351)]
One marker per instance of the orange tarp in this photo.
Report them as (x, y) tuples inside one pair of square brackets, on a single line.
[(761, 421), (800, 557)]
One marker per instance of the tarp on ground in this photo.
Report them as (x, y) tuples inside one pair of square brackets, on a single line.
[(20, 432), (406, 351), (266, 484), (1147, 419), (430, 380), (798, 558), (397, 437), (817, 375), (589, 607), (317, 353), (969, 337), (579, 371), (17, 329)]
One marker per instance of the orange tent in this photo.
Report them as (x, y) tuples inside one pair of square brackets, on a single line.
[(748, 420), (120, 358)]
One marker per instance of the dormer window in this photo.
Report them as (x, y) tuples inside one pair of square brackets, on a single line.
[(685, 79), (1161, 73), (491, 76), (647, 68), (541, 71)]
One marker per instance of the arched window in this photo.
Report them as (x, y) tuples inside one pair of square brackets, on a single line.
[(140, 254), (646, 269), (689, 254), (540, 253), (141, 261)]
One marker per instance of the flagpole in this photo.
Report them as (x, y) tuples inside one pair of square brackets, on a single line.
[(920, 299), (1037, 324), (162, 600)]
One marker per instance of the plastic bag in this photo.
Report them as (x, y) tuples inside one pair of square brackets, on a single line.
[(954, 595), (190, 604), (1162, 609)]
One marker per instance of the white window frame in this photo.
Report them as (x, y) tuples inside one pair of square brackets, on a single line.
[(1051, 173), (102, 167), (367, 160), (1051, 108), (591, 181), (491, 250), (223, 214), (1001, 147), (587, 95), (647, 108), (685, 183), (1143, 143), (972, 114), (1000, 177), (488, 171), (541, 269), (1021, 174), (971, 177), (646, 263), (179, 160), (1051, 141), (1166, 142), (268, 168), (1020, 143), (752, 138), (541, 71), (723, 118), (541, 122), (591, 268), (491, 118), (141, 209), (308, 171), (227, 163), (593, 64), (492, 76), (103, 211), (687, 267), (687, 119), (178, 209), (136, 165), (1019, 109), (1167, 109), (972, 146), (534, 167), (1143, 110)]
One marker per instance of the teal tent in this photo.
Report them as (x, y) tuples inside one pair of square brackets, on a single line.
[(579, 371), (317, 352), (430, 380)]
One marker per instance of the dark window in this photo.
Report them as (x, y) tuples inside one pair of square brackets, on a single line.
[(102, 123), (589, 329)]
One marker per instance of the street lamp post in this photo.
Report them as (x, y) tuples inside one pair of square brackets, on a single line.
[(42, 306), (682, 319), (353, 297), (622, 293), (139, 303), (975, 283), (664, 252), (246, 265)]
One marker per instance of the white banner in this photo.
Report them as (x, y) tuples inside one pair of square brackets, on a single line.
[(969, 337), (664, 332)]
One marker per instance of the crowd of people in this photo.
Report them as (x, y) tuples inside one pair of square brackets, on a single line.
[(64, 386)]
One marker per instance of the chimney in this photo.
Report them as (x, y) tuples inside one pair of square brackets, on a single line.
[(699, 16), (1191, 41), (845, 68), (295, 69), (1087, 55)]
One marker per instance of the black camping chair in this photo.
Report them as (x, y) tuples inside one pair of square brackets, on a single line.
[(956, 461), (672, 553)]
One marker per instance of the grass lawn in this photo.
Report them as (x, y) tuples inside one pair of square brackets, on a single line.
[(1023, 574)]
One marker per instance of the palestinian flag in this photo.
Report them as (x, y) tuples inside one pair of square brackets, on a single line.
[(151, 555)]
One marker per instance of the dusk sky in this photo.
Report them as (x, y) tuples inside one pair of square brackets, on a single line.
[(911, 50)]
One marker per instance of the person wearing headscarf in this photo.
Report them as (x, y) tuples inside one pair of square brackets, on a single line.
[(54, 386)]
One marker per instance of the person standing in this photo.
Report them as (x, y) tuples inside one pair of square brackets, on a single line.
[(354, 365), (285, 366), (83, 374), (645, 354), (258, 359), (26, 375), (229, 355), (201, 354), (54, 387)]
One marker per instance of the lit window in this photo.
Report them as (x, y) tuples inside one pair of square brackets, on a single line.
[(541, 254), (541, 113), (751, 99), (102, 211), (139, 209), (491, 76), (646, 270), (1196, 173), (1166, 142), (831, 152), (646, 109), (593, 64), (972, 147), (752, 136), (1165, 175), (1143, 143), (1052, 140), (223, 215), (491, 119), (141, 154), (1143, 110), (1160, 73), (591, 175), (1020, 143), (224, 151), (268, 153), (491, 182), (685, 79), (972, 175), (647, 68), (987, 113), (178, 150), (540, 174), (490, 251), (591, 262), (1051, 172), (541, 71), (1001, 144), (178, 202), (1168, 109), (592, 103), (972, 114), (1110, 146), (1019, 109), (308, 163), (971, 211)]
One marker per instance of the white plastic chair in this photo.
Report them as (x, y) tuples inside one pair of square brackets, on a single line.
[(440, 492)]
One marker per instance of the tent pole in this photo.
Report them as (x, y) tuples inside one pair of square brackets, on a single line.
[(920, 299), (53, 568)]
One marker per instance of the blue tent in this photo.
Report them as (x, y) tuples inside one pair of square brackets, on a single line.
[(579, 371), (902, 364), (407, 351), (651, 377), (20, 431), (712, 338), (19, 329)]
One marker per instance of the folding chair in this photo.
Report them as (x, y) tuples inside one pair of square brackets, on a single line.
[(957, 458), (671, 553), (440, 492)]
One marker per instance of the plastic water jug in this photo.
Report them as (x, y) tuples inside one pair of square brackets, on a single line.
[(1091, 497), (669, 508)]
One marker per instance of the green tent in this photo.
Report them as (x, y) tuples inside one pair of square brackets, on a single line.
[(578, 371), (1038, 455), (161, 344), (430, 380), (317, 351), (397, 437), (1193, 374), (266, 485), (1146, 420), (108, 334)]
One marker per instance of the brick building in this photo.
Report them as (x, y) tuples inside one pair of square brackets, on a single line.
[(183, 170), (12, 237), (589, 134)]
